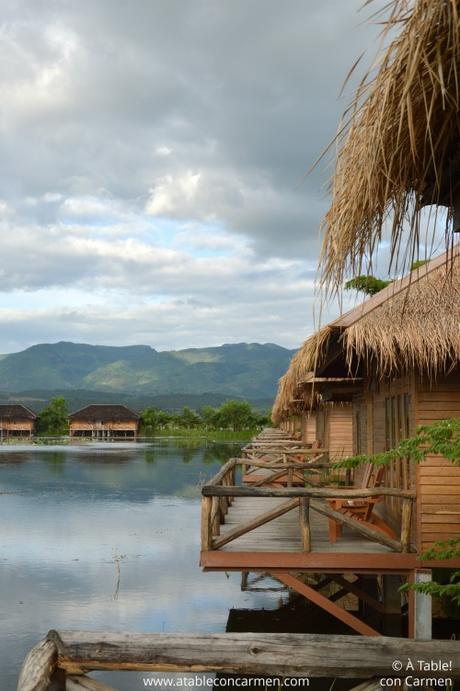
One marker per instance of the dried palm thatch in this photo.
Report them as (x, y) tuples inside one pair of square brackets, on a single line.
[(416, 328), (302, 364), (400, 136), (414, 323)]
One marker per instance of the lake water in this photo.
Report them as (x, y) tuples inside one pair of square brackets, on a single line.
[(106, 537)]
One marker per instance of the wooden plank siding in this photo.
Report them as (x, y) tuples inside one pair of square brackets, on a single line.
[(379, 423), (309, 427), (438, 480), (339, 430)]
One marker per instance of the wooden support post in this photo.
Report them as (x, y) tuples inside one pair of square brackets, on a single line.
[(206, 533), (419, 610), (406, 514), (244, 580), (304, 521), (323, 602)]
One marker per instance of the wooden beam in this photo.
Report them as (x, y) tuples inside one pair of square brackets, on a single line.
[(280, 654), (353, 587), (316, 492), (244, 528), (397, 563), (38, 667), (323, 602)]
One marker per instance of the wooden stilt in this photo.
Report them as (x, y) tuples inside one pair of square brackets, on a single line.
[(420, 612)]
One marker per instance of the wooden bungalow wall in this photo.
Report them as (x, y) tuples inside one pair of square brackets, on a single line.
[(309, 427), (387, 412), (438, 480), (334, 427)]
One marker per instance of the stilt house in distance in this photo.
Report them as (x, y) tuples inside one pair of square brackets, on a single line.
[(16, 421), (104, 421), (393, 363)]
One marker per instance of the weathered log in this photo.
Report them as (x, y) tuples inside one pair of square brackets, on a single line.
[(83, 683), (280, 654), (38, 667), (360, 527), (263, 518), (317, 492)]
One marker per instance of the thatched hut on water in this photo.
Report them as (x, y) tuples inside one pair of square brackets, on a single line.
[(396, 360), (104, 422)]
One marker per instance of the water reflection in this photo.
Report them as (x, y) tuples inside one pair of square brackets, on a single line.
[(75, 520)]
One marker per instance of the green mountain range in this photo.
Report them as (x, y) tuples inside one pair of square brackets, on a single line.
[(240, 370)]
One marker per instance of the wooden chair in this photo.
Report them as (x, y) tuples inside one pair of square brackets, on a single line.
[(361, 509)]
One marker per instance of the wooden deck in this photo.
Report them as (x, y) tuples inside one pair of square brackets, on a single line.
[(282, 534), (275, 469), (276, 521)]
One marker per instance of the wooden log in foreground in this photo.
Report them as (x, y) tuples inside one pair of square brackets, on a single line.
[(277, 655), (38, 667)]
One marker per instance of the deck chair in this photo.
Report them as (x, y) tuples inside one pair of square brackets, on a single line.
[(361, 509)]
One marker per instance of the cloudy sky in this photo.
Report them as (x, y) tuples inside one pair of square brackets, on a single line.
[(152, 166)]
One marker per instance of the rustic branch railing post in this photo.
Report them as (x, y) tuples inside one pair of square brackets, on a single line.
[(304, 521), (206, 531), (215, 516), (406, 514)]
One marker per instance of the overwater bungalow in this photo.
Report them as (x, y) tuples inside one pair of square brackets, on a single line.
[(104, 422), (396, 358), (386, 366), (16, 421)]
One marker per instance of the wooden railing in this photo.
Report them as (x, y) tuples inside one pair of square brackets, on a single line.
[(221, 490)]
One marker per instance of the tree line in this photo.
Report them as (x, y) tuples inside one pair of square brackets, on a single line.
[(231, 415)]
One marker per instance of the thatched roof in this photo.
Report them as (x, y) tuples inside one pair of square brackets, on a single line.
[(101, 412), (413, 323), (398, 149), (16, 411)]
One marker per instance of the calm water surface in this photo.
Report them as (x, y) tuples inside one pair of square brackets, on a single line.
[(107, 537)]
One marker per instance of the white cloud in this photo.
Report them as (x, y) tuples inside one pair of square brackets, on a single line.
[(147, 163)]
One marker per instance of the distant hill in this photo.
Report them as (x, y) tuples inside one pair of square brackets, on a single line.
[(240, 370)]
